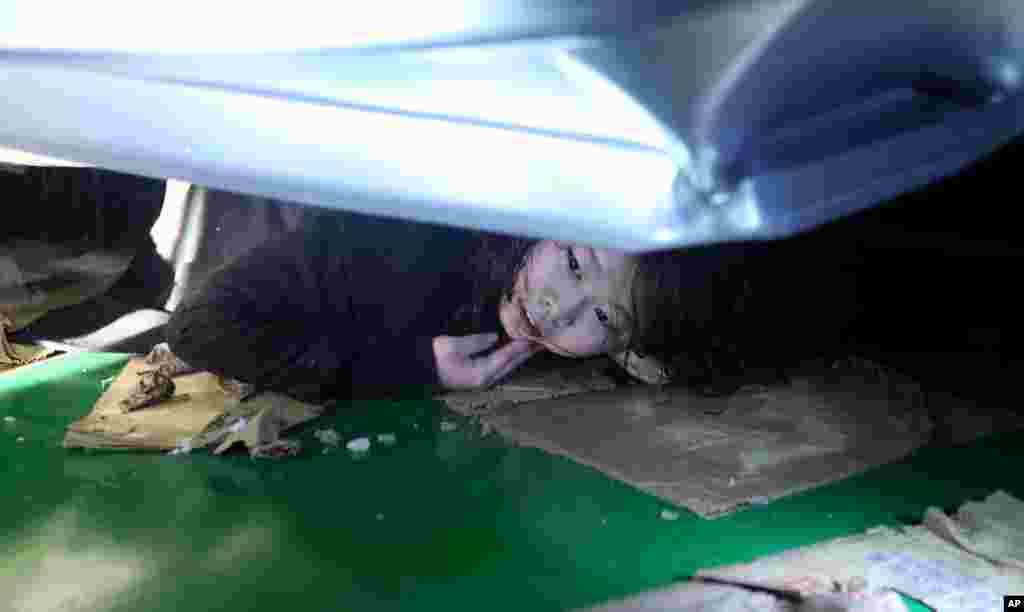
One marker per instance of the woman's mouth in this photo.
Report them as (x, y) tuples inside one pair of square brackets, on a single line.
[(529, 331)]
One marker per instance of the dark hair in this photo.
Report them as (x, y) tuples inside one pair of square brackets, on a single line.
[(677, 291), (493, 263), (689, 307)]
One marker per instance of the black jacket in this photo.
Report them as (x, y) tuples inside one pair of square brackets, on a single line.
[(346, 307)]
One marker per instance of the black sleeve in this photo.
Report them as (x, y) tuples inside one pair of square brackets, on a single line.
[(389, 365), (281, 317)]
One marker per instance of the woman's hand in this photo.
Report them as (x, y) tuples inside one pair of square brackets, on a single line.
[(460, 367)]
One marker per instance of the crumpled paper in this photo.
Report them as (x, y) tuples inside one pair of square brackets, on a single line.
[(967, 573), (266, 419)]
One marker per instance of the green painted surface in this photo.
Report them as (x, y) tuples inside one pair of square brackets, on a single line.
[(439, 520)]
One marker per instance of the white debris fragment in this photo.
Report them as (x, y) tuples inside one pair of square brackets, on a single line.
[(184, 447), (239, 425), (760, 500), (448, 426), (358, 445), (387, 439), (669, 515), (328, 437), (9, 419), (732, 482), (857, 584)]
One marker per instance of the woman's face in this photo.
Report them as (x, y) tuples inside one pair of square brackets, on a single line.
[(572, 299)]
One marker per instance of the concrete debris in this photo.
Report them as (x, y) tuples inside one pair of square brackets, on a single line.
[(358, 445), (328, 437)]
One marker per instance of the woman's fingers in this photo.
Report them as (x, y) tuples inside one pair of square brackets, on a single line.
[(458, 369), (467, 346), (503, 361)]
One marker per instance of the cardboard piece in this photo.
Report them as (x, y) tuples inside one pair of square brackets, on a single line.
[(201, 412), (713, 455), (992, 530), (158, 427), (16, 355), (703, 597), (917, 561), (861, 572)]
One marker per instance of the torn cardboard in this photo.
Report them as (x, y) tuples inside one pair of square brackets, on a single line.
[(715, 454), (157, 427), (202, 412), (16, 355)]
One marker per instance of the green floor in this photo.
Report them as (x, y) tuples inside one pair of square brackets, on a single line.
[(438, 521)]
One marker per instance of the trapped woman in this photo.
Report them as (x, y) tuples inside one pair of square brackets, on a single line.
[(358, 305)]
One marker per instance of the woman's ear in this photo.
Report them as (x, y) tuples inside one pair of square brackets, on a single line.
[(642, 367)]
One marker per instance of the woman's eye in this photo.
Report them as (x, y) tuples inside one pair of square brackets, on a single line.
[(574, 264), (602, 316)]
